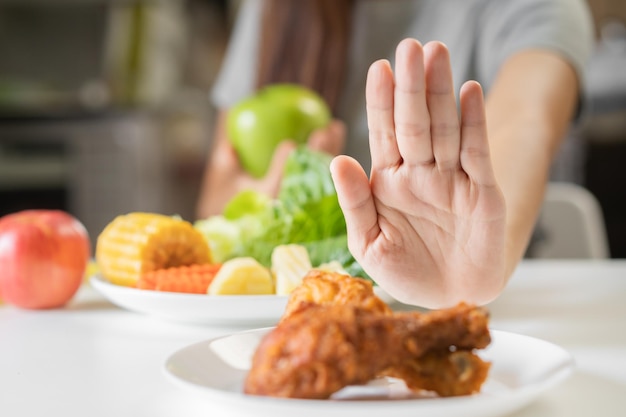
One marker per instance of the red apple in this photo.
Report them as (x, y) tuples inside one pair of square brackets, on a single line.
[(43, 256)]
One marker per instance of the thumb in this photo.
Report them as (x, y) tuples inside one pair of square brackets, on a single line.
[(274, 174), (330, 139), (357, 203)]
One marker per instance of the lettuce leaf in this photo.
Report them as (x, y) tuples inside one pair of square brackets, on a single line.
[(335, 249)]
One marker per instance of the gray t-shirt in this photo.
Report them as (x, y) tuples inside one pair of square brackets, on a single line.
[(480, 34)]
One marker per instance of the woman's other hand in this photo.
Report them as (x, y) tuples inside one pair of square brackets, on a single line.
[(225, 176)]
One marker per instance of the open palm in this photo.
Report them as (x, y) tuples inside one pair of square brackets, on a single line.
[(429, 223)]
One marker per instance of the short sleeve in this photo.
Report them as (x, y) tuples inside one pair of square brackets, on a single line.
[(237, 74), (562, 26)]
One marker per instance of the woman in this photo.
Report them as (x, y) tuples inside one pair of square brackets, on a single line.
[(449, 206)]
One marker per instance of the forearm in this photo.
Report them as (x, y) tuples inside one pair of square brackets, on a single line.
[(521, 165), (216, 190), (219, 181), (528, 113)]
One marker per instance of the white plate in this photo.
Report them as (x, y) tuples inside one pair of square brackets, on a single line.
[(227, 310), (522, 369)]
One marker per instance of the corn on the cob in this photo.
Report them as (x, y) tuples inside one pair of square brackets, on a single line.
[(242, 276), (290, 263), (194, 279), (136, 243)]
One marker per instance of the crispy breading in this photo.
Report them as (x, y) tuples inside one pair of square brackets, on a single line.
[(324, 287)]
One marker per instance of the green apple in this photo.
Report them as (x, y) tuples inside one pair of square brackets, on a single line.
[(257, 124)]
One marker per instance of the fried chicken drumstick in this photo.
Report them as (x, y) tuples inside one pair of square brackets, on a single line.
[(321, 348)]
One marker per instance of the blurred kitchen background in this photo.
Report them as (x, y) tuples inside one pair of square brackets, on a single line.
[(104, 107), (104, 104)]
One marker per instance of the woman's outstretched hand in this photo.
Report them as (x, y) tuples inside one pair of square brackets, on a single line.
[(429, 224)]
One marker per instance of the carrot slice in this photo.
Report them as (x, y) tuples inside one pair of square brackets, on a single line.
[(193, 279)]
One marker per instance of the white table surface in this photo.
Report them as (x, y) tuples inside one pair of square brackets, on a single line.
[(95, 359)]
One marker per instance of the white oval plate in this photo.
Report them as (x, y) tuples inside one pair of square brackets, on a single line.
[(522, 368), (226, 310)]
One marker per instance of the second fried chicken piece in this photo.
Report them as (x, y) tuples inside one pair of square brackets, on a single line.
[(323, 348), (324, 287)]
